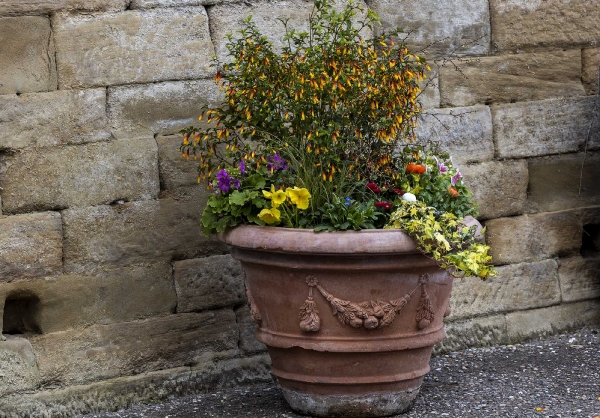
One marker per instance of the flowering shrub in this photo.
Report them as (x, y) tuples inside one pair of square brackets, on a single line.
[(317, 135)]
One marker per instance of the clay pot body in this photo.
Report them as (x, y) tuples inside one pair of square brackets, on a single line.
[(349, 318)]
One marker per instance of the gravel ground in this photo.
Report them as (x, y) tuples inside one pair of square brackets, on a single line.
[(555, 377)]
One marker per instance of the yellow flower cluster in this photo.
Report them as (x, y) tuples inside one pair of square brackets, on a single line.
[(297, 196)]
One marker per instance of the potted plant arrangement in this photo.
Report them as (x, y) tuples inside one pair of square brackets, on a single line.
[(349, 236)]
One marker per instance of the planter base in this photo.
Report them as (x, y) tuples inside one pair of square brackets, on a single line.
[(365, 405), (349, 318)]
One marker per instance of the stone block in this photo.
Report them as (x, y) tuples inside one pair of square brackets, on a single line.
[(121, 48), (554, 182), (228, 18), (27, 61), (499, 188), (523, 24), (109, 296), (108, 351), (589, 215), (175, 171), (474, 332), (46, 7), (136, 233), (79, 175), (30, 246), (248, 342), (590, 67), (512, 78), (466, 132), (443, 28), (545, 127), (534, 237), (18, 368), (56, 118), (161, 108), (430, 92), (151, 4), (208, 283), (517, 287), (579, 278), (122, 392), (538, 323)]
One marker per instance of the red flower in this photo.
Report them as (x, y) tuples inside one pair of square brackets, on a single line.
[(398, 191), (374, 188), (413, 168), (385, 205)]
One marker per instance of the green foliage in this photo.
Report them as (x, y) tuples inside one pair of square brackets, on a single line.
[(315, 135), (342, 215), (330, 102), (442, 236)]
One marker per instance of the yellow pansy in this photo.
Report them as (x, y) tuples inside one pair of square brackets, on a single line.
[(270, 216), (299, 197), (277, 197)]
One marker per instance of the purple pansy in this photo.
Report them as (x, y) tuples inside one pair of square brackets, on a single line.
[(276, 162), (225, 181), (242, 167), (456, 178), (440, 165)]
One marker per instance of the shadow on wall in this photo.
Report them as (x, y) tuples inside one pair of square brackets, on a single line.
[(20, 314)]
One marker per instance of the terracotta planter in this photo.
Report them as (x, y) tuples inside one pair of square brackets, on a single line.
[(349, 318)]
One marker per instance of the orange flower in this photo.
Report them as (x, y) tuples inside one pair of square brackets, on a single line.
[(413, 168), (452, 191)]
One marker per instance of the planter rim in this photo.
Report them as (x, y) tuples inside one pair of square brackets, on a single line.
[(295, 240)]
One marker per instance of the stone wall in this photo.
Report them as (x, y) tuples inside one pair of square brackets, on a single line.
[(111, 295)]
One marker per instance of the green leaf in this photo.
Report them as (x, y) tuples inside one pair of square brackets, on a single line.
[(255, 181), (238, 198)]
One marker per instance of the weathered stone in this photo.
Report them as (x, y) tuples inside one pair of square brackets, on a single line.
[(150, 4), (108, 351), (517, 287), (159, 108), (522, 24), (208, 283), (430, 93), (545, 127), (122, 392), (499, 188), (554, 182), (30, 246), (80, 175), (109, 49), (109, 296), (589, 215), (46, 7), (18, 368), (590, 67), (56, 118), (553, 320), (175, 171), (512, 78), (474, 332), (26, 55), (466, 132), (248, 343), (534, 237), (136, 233), (228, 18), (442, 27), (579, 278)]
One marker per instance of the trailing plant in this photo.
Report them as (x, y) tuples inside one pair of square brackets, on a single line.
[(442, 236)]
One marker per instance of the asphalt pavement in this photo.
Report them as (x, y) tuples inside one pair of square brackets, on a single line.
[(555, 377)]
